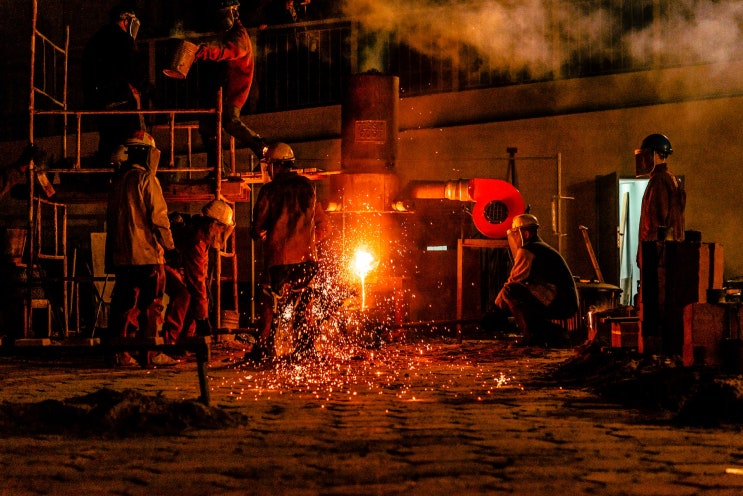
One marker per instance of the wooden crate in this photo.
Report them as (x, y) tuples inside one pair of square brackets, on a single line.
[(625, 333), (706, 325)]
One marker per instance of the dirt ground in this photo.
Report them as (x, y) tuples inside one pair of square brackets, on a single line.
[(427, 417)]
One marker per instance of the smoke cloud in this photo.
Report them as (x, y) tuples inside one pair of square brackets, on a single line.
[(541, 36), (692, 31)]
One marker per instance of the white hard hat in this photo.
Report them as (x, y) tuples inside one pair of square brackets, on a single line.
[(524, 221), (141, 138), (220, 211)]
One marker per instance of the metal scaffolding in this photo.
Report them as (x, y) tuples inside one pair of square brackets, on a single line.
[(48, 79)]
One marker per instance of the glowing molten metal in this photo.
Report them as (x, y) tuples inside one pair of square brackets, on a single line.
[(361, 265)]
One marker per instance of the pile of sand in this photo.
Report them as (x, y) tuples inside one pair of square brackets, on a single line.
[(109, 413)]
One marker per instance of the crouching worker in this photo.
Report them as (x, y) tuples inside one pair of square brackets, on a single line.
[(539, 288), (187, 314)]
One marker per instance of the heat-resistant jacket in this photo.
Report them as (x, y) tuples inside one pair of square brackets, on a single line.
[(192, 243), (288, 215), (234, 51), (138, 230)]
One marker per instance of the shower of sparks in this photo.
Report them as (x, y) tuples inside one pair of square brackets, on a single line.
[(362, 350), (362, 264), (350, 370)]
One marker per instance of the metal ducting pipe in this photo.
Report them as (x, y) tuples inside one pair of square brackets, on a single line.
[(432, 190), (496, 202)]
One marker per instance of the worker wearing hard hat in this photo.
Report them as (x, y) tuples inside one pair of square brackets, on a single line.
[(664, 199), (188, 311), (539, 288), (290, 221), (138, 236)]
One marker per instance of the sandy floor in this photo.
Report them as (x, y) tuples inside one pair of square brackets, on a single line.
[(428, 418)]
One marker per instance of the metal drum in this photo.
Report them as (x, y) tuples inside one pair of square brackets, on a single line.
[(595, 297)]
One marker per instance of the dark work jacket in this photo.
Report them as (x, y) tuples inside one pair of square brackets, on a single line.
[(110, 63), (290, 219), (549, 279)]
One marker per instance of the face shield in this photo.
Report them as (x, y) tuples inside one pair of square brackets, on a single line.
[(219, 234), (134, 27), (153, 159), (644, 162), (515, 240), (132, 24), (226, 18), (147, 156)]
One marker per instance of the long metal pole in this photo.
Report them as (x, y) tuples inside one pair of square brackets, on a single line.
[(30, 179), (559, 203)]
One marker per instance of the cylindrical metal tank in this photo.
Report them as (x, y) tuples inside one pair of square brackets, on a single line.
[(369, 123)]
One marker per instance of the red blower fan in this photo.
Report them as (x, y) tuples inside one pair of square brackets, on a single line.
[(496, 204)]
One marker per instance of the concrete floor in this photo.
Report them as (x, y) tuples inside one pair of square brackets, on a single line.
[(433, 417)]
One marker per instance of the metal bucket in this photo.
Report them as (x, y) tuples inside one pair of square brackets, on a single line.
[(182, 58), (230, 319)]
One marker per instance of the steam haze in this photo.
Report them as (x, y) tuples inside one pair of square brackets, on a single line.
[(541, 36), (693, 31)]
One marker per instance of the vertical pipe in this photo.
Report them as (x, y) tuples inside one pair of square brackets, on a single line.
[(64, 90), (78, 131), (31, 174), (235, 299), (171, 120), (217, 195), (253, 274), (460, 265), (66, 310), (558, 212)]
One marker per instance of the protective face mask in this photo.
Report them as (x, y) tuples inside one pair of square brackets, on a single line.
[(134, 27), (153, 160), (219, 234), (515, 241), (226, 19)]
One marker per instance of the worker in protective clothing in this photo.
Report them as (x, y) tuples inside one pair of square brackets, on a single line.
[(661, 219), (664, 200), (114, 76), (187, 273), (290, 221), (540, 286), (226, 60), (137, 238)]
